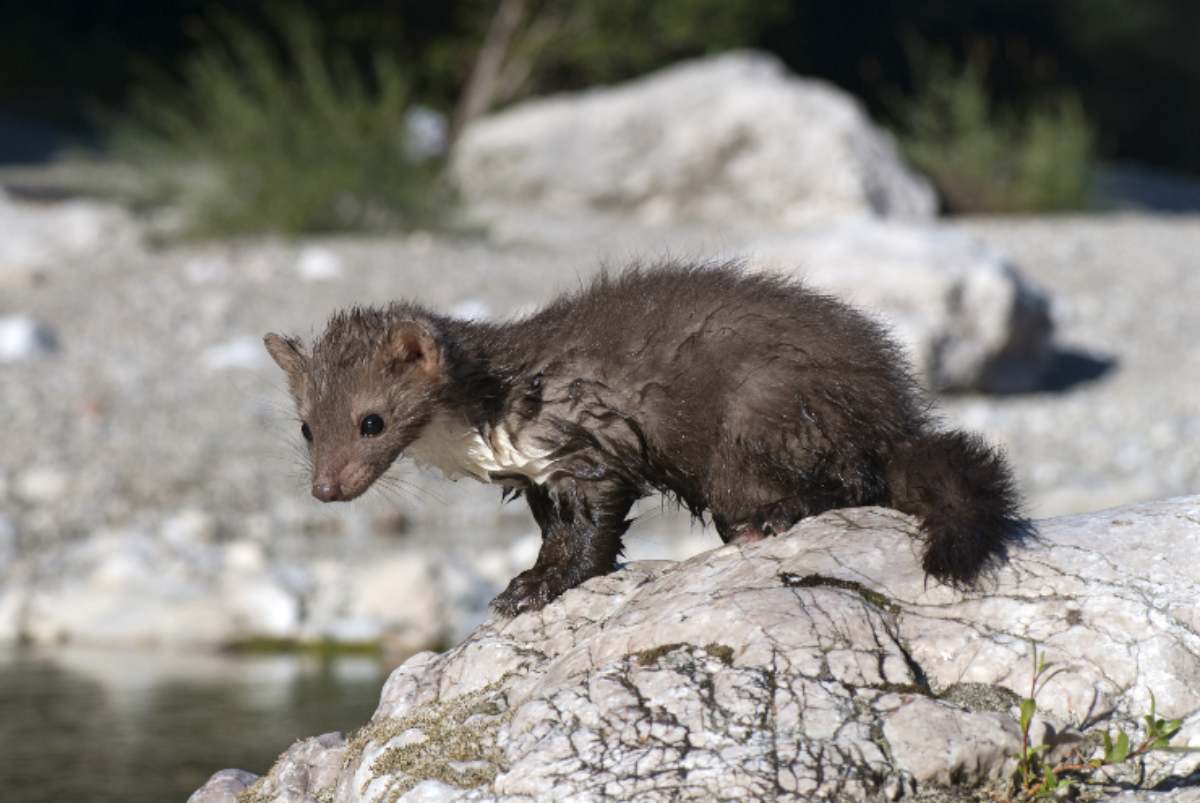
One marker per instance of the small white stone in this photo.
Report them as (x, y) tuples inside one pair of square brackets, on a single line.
[(243, 352), (427, 132), (189, 527), (41, 484), (264, 609), (318, 264), (245, 555), (22, 338)]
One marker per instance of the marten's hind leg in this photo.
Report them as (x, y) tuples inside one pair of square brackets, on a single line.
[(742, 532), (774, 518)]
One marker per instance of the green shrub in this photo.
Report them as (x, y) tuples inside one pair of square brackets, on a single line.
[(989, 159), (285, 135)]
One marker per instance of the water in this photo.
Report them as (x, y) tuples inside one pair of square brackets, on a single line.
[(86, 726)]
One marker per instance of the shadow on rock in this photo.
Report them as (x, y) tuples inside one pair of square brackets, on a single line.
[(1069, 368)]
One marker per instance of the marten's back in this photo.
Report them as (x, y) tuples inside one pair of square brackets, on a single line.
[(704, 356), (702, 330)]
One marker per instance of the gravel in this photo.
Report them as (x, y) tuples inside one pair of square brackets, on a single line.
[(154, 402)]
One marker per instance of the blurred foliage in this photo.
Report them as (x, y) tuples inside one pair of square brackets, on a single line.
[(286, 134), (566, 44), (989, 158), (1133, 67)]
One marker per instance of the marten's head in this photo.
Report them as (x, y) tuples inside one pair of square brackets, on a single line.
[(364, 393)]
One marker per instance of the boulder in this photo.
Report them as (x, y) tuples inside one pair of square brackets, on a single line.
[(38, 237), (182, 586), (968, 318), (728, 136), (224, 787), (816, 665)]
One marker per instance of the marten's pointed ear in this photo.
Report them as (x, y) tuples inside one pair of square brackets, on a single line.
[(412, 345), (289, 355)]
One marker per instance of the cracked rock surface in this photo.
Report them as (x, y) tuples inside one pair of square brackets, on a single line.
[(816, 665)]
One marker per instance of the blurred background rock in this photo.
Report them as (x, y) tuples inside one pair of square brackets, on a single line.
[(1012, 185)]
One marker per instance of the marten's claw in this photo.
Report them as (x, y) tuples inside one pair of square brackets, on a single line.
[(530, 590)]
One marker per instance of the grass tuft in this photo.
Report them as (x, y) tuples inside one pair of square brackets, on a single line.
[(284, 133), (985, 158)]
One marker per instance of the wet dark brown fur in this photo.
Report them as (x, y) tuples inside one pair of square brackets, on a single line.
[(746, 397)]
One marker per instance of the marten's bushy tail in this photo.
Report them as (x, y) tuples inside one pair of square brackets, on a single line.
[(963, 492)]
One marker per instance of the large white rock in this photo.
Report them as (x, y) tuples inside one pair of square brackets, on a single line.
[(817, 665), (183, 587), (223, 787), (968, 318), (38, 237), (732, 135)]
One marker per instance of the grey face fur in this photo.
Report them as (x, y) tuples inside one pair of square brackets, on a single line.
[(360, 368)]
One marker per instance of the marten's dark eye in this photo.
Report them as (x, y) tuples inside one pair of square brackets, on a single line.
[(371, 426), (305, 431)]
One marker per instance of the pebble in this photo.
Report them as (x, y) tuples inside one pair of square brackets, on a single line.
[(244, 352), (428, 133), (266, 609), (41, 484), (318, 264), (189, 527), (245, 556), (23, 338)]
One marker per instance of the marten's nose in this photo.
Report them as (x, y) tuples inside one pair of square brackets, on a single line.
[(327, 491)]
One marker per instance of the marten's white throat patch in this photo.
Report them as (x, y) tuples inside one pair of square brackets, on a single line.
[(457, 449)]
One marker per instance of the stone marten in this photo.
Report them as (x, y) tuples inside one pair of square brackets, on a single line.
[(746, 397)]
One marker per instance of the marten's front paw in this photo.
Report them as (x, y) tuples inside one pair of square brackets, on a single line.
[(530, 591)]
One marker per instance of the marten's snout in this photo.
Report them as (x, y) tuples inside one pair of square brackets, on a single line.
[(327, 491)]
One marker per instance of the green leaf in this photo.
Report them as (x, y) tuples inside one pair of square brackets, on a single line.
[(1121, 751), (1028, 707)]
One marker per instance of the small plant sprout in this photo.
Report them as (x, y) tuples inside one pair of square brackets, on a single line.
[(1040, 779), (1043, 673)]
